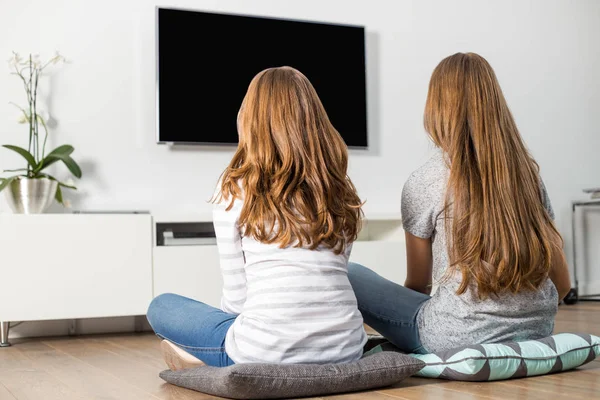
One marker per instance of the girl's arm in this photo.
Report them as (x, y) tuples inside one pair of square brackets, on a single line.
[(559, 273), (232, 259), (419, 264)]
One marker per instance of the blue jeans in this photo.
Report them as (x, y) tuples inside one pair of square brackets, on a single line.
[(387, 307), (196, 327)]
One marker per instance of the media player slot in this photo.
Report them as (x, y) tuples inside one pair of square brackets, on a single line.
[(185, 234)]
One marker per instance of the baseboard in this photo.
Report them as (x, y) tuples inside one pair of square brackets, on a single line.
[(79, 327)]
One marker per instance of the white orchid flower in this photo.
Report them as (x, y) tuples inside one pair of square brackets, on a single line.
[(14, 60), (22, 118), (57, 58), (36, 61)]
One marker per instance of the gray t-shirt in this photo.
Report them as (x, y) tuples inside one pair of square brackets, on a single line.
[(449, 320)]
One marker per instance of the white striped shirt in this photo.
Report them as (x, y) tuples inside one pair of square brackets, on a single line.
[(295, 305)]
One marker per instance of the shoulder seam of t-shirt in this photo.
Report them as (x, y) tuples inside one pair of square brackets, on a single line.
[(422, 197)]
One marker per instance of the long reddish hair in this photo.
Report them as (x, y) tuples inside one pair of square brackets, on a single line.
[(290, 167), (500, 236)]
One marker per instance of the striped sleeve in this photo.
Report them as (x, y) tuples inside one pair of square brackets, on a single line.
[(348, 250), (231, 257)]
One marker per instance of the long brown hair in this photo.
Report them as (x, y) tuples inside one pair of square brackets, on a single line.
[(290, 167), (500, 237)]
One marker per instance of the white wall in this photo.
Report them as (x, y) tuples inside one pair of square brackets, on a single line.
[(545, 54)]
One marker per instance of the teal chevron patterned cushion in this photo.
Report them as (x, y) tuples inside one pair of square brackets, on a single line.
[(491, 362)]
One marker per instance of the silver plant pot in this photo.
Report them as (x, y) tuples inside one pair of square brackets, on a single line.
[(30, 196)]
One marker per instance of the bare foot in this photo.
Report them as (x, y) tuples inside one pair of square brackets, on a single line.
[(177, 358)]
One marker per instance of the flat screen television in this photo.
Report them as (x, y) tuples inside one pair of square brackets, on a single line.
[(206, 62)]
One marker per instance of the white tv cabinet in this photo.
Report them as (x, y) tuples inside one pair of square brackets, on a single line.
[(193, 271), (76, 266), (72, 266)]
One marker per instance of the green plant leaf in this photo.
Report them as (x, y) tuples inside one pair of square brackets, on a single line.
[(53, 156), (65, 149), (68, 161), (24, 153), (59, 182), (58, 196), (72, 166), (16, 170), (67, 186), (45, 163), (6, 182)]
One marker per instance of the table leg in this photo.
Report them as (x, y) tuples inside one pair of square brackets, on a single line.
[(574, 241), (4, 329)]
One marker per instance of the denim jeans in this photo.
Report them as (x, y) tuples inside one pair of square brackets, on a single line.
[(196, 327), (387, 307)]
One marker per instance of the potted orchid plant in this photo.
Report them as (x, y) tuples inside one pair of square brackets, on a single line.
[(31, 189)]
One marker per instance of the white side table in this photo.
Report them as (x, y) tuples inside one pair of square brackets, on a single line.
[(575, 206)]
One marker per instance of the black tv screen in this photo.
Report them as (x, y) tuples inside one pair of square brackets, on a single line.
[(206, 62)]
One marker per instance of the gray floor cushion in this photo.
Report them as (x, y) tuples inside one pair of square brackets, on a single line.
[(274, 381)]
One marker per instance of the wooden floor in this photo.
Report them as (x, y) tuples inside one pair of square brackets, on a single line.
[(127, 366)]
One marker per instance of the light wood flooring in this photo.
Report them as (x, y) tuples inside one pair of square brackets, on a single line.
[(126, 367)]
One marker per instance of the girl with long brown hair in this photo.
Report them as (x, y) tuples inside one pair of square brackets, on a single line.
[(478, 224), (285, 217)]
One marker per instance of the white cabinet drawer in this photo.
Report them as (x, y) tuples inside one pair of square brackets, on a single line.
[(62, 266), (387, 258), (190, 271)]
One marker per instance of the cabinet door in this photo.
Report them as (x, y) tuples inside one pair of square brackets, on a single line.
[(190, 271), (387, 258), (65, 266)]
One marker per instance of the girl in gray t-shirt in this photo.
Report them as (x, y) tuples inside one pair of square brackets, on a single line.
[(479, 227)]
